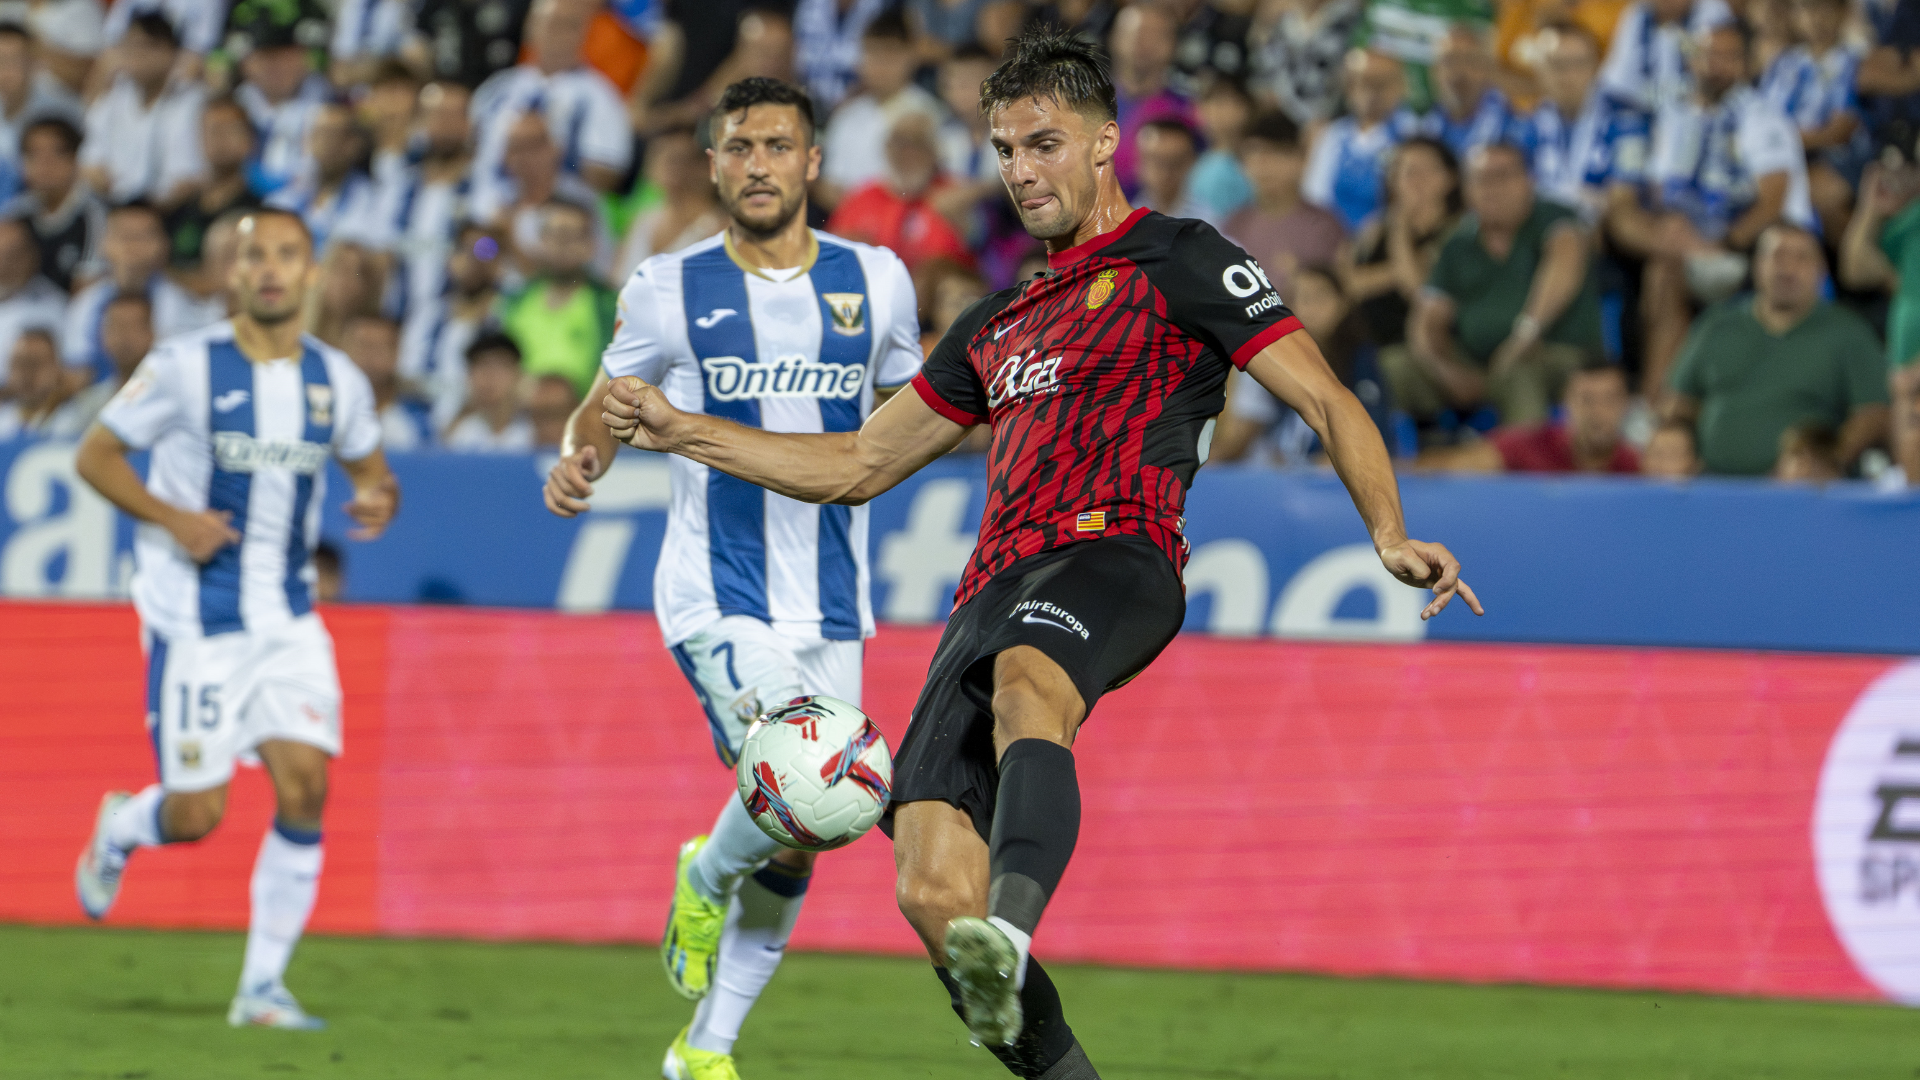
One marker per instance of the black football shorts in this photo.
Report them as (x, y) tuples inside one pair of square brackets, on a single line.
[(1101, 609)]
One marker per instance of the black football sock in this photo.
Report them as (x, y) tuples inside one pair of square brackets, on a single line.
[(1046, 1049), (1036, 822)]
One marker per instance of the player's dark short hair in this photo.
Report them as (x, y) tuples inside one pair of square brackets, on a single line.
[(155, 27), (1274, 128), (888, 26), (61, 129), (493, 341), (1048, 62), (760, 90), (16, 30)]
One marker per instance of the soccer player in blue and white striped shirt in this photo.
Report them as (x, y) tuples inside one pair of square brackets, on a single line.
[(762, 598), (241, 418)]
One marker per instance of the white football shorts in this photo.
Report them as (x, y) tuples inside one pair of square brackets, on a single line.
[(740, 667), (212, 700)]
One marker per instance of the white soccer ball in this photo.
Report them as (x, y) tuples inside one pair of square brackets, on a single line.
[(815, 773)]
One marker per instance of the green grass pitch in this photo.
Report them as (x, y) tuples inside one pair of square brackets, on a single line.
[(133, 1005)]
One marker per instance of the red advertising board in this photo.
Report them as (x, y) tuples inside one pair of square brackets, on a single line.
[(1507, 813)]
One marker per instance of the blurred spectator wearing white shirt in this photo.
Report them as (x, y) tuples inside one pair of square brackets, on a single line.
[(433, 343), (226, 144), (26, 93), (492, 421), (27, 299), (281, 94), (586, 115), (198, 22), (1646, 63), (35, 387), (365, 32), (431, 195), (854, 149), (126, 336), (135, 249), (143, 134), (337, 199), (828, 34), (682, 207), (533, 166), (373, 344), (67, 218), (67, 37)]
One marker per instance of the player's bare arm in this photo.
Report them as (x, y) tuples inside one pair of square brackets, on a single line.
[(842, 467), (376, 494), (1293, 370), (102, 462), (586, 452)]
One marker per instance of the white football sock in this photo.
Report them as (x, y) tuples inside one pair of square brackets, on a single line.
[(136, 824), (735, 848), (286, 878), (759, 922), (1022, 944)]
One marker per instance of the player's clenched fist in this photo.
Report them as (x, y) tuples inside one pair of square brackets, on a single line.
[(570, 482), (637, 413)]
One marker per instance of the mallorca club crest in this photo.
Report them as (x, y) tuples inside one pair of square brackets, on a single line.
[(847, 308), (319, 404), (1101, 289)]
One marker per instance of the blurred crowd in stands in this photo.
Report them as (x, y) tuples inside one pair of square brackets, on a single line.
[(1660, 236)]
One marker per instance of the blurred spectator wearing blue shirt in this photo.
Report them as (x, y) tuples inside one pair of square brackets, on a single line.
[(1469, 111), (1348, 164), (1589, 150)]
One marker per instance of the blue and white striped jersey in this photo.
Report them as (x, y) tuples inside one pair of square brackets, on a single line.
[(1575, 163), (794, 351), (251, 439)]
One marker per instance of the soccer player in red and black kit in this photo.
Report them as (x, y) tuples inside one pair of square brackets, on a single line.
[(1098, 378)]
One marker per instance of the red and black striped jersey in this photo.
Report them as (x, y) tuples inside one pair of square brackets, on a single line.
[(1099, 378)]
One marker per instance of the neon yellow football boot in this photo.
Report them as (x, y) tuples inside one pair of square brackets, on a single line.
[(688, 1063), (692, 938)]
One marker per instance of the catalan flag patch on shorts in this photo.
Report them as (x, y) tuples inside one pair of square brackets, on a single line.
[(1091, 521)]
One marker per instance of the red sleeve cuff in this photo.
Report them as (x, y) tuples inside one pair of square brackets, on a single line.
[(1245, 353), (940, 405)]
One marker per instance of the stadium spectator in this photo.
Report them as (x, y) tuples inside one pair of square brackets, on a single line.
[(372, 342), (1297, 54), (1809, 454), (1510, 309), (27, 298), (1165, 153), (1090, 20), (227, 143), (944, 295), (1384, 270), (143, 134), (1347, 166), (533, 165), (352, 282), (1770, 23), (684, 84), (135, 249), (827, 36), (430, 194), (210, 281), (966, 154), (1521, 36), (199, 23), (1646, 62), (549, 404), (1411, 31), (1218, 185), (1589, 151), (1211, 46), (1469, 110), (998, 22), (126, 336), (1881, 250), (36, 387), (27, 92), (563, 319), (366, 33), (1258, 424), (902, 211), (1591, 438), (465, 42), (492, 420), (585, 113), (386, 108), (1669, 454), (853, 149), (1817, 93), (1279, 228), (679, 204), (433, 343), (67, 218), (67, 38), (1726, 165), (336, 197), (1142, 47), (1755, 366), (941, 27), (281, 93)]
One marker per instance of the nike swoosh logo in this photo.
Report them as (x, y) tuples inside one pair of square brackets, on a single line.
[(1028, 617), (712, 318), (998, 334), (230, 400)]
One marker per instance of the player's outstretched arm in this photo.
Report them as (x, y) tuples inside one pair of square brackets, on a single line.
[(838, 467), (1293, 370), (586, 452), (102, 463), (376, 494)]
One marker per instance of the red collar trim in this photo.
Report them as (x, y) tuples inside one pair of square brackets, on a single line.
[(1060, 260)]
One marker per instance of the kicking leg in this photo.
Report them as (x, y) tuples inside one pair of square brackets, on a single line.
[(286, 880)]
